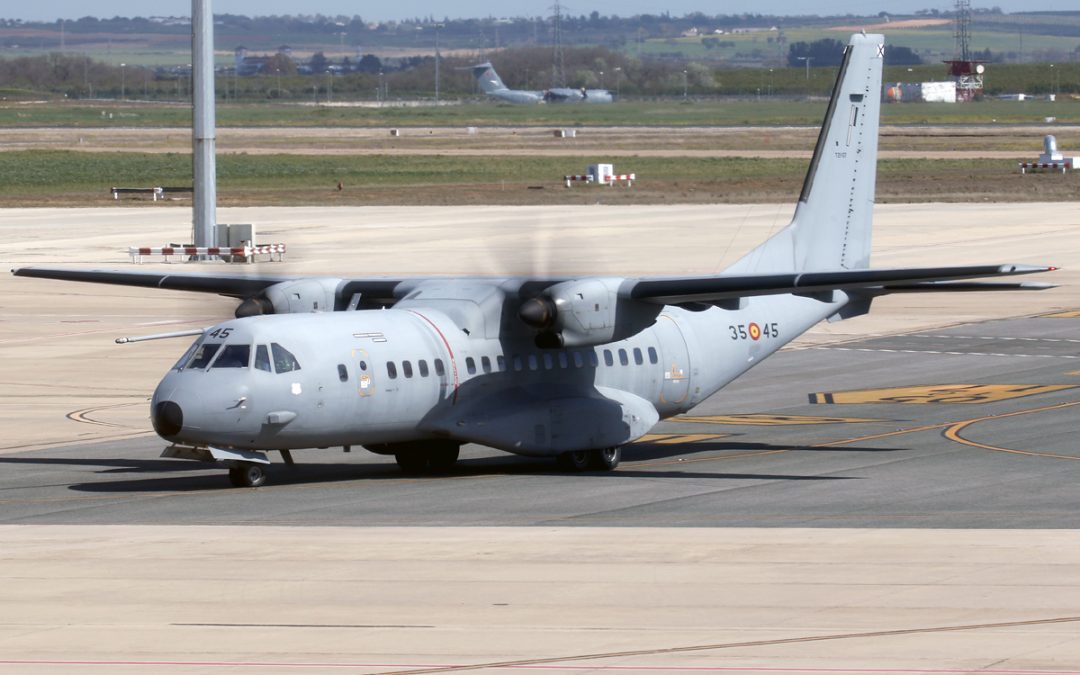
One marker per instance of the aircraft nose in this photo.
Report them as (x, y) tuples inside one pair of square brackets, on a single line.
[(168, 418)]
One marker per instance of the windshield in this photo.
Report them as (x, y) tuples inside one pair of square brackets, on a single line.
[(202, 355), (233, 356)]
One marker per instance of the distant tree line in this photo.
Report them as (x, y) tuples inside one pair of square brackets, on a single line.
[(76, 76), (830, 52)]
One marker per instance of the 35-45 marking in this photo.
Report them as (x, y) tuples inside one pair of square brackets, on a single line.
[(754, 331)]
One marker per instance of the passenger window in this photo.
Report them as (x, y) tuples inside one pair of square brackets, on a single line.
[(470, 365), (608, 359), (284, 361), (342, 372), (594, 359), (423, 368), (623, 358), (533, 363), (363, 365), (517, 363), (391, 370), (262, 358), (549, 363), (233, 356), (406, 368), (638, 359), (653, 358), (203, 355), (500, 363), (562, 360), (485, 364), (439, 370), (579, 362)]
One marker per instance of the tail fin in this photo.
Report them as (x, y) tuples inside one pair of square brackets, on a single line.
[(833, 219), (487, 78)]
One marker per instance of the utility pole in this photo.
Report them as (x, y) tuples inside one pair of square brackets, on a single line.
[(437, 27), (808, 59)]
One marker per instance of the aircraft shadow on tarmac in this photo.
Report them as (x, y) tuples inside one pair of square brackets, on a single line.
[(161, 475)]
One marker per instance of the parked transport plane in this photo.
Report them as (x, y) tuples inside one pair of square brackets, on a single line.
[(571, 368), (492, 85)]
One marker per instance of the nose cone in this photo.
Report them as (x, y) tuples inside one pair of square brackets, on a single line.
[(168, 418)]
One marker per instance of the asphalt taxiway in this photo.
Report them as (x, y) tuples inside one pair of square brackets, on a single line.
[(895, 493)]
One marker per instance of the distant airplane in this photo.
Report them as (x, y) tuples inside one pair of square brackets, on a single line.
[(492, 85), (569, 368)]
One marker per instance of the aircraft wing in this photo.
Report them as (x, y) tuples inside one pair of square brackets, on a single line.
[(232, 285), (680, 290), (672, 291)]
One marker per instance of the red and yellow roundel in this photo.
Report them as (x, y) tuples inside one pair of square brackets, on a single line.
[(755, 331)]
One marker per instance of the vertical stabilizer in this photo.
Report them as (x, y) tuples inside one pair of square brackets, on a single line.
[(487, 78), (833, 220)]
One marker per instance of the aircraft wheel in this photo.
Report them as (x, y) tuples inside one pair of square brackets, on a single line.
[(575, 460), (248, 475), (443, 459), (605, 459), (412, 462)]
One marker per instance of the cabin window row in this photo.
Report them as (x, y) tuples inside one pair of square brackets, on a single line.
[(545, 360)]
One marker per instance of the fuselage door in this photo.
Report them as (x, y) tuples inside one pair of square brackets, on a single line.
[(675, 359)]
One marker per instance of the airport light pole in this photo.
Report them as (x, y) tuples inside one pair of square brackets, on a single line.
[(618, 77), (684, 84), (329, 86), (123, 67), (601, 79), (437, 27), (808, 59)]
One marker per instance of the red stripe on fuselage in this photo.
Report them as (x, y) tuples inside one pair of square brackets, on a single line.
[(449, 350)]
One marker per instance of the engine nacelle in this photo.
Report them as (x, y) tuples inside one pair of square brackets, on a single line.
[(293, 297), (586, 312)]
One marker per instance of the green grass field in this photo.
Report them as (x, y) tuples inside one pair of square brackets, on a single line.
[(58, 178)]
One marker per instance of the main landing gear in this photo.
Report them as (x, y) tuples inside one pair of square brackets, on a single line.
[(246, 474), (604, 459)]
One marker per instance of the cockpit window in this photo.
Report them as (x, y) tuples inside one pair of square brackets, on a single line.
[(284, 361), (262, 358), (187, 355), (201, 358), (233, 356)]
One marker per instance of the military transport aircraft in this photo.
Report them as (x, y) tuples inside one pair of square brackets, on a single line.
[(572, 368), (492, 85)]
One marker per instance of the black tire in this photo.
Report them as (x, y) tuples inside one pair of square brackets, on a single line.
[(575, 460), (248, 475), (412, 462), (441, 460), (605, 459)]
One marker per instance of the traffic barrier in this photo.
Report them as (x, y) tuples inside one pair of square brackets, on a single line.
[(628, 178), (155, 192), (1048, 166), (246, 253)]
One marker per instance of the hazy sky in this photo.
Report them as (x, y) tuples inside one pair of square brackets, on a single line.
[(48, 10)]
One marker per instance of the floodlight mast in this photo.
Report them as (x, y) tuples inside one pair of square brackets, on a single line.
[(204, 194)]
